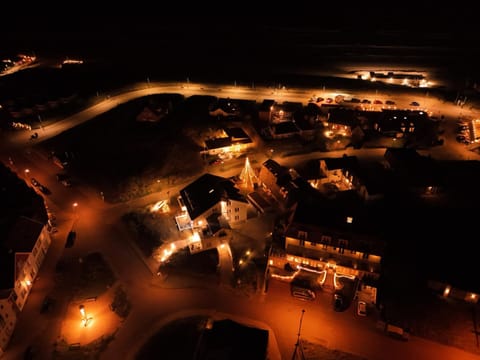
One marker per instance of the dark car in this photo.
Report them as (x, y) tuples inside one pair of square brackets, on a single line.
[(338, 302), (390, 102), (34, 182), (303, 293), (72, 235), (46, 304)]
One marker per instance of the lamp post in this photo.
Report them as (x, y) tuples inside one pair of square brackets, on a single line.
[(85, 318), (298, 336)]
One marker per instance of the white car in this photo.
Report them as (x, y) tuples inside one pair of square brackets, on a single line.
[(362, 308)]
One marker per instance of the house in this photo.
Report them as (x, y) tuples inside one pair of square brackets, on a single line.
[(413, 172), (284, 130), (235, 140), (212, 196), (264, 111), (270, 112), (338, 171), (226, 108), (21, 256), (24, 242), (274, 178), (336, 235)]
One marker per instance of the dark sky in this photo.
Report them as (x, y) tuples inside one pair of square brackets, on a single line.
[(230, 37)]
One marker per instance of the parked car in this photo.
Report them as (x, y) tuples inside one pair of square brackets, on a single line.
[(303, 293), (44, 189), (390, 102), (46, 304), (34, 182), (362, 308), (72, 235), (414, 103), (338, 302)]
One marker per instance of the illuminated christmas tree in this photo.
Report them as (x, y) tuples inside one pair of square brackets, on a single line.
[(248, 177)]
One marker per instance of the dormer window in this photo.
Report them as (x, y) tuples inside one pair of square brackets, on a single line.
[(302, 235)]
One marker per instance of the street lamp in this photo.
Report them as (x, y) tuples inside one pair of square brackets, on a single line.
[(74, 207), (298, 336), (85, 319)]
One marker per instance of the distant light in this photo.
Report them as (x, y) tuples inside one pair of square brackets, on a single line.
[(196, 237), (211, 191), (446, 291), (349, 219), (270, 262)]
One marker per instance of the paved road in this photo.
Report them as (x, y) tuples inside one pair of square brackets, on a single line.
[(97, 224)]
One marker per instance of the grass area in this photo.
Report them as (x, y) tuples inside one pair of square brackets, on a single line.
[(96, 276), (101, 154), (88, 277), (313, 351), (91, 351), (200, 264), (146, 234)]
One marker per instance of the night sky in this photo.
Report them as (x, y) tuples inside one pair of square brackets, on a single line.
[(228, 41)]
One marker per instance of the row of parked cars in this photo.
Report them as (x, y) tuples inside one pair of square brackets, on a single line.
[(340, 303)]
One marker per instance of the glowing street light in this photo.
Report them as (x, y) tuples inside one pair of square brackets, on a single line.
[(82, 311), (85, 319)]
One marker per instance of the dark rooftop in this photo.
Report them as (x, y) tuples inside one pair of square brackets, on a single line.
[(286, 127), (236, 133), (206, 191)]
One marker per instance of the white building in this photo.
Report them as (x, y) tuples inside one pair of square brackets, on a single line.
[(21, 256)]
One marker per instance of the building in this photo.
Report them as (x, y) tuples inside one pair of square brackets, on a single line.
[(212, 198), (24, 242), (234, 140), (274, 179), (271, 112), (336, 171), (335, 236)]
